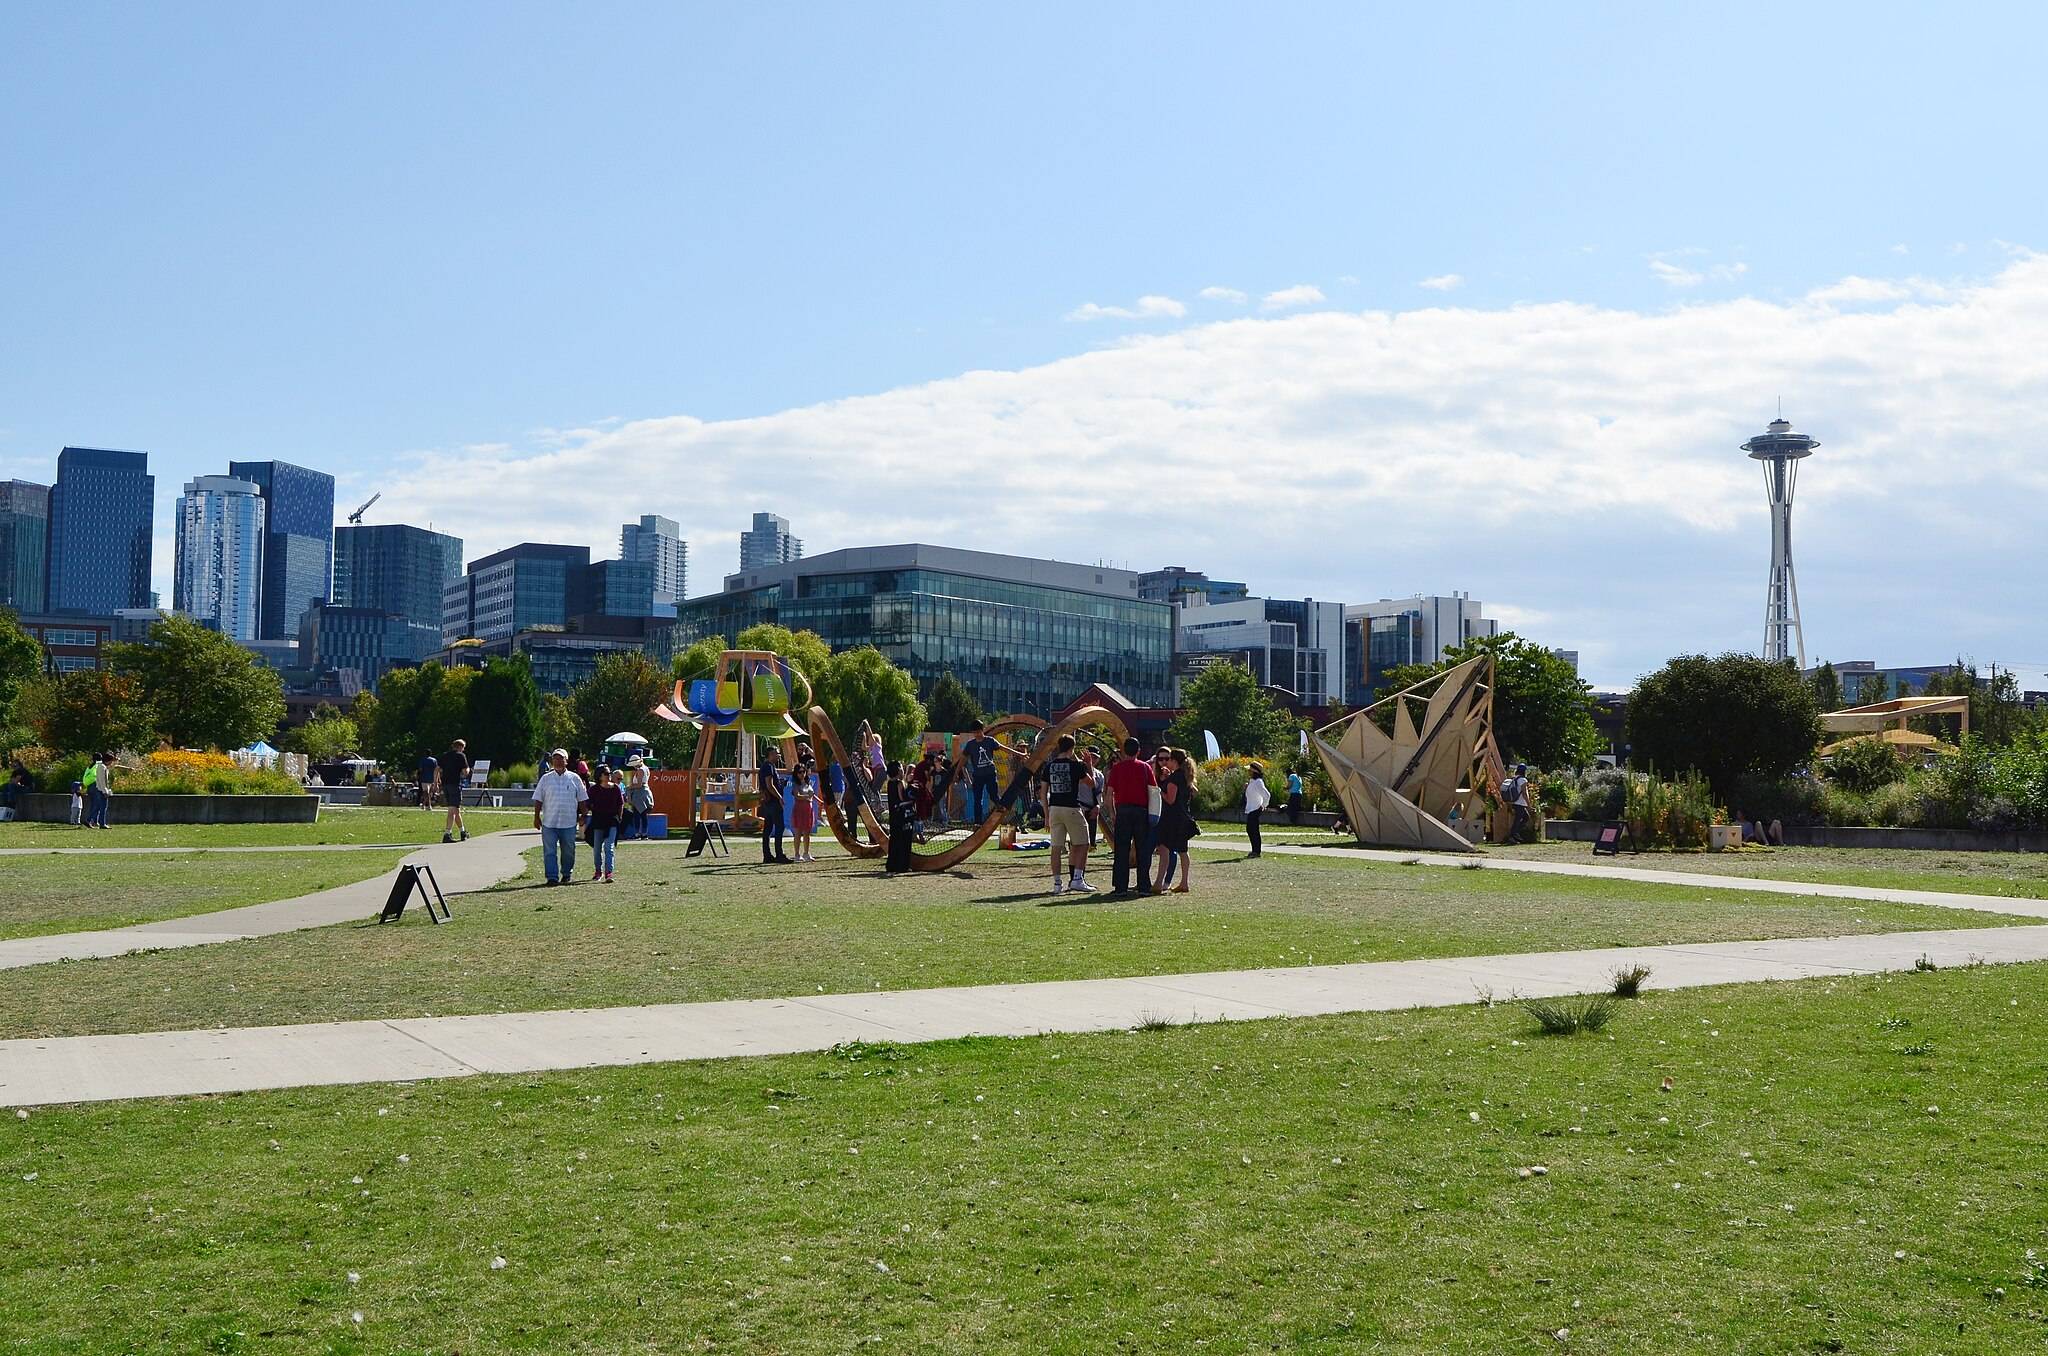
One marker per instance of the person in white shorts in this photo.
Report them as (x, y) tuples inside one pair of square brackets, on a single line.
[(1061, 776)]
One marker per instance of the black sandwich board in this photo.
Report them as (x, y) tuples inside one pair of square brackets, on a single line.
[(1608, 844), (705, 833), (411, 878)]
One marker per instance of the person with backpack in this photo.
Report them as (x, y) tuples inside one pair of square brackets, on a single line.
[(1063, 775), (1515, 792)]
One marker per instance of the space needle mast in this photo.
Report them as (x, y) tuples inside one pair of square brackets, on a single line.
[(1781, 448)]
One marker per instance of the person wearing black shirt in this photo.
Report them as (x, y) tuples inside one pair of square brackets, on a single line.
[(770, 811), (902, 812), (454, 771), (1063, 776)]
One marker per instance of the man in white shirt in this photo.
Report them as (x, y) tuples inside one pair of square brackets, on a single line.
[(559, 805)]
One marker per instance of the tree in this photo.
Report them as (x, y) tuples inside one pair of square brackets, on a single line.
[(699, 660), (206, 691), (1226, 701), (420, 711), (1542, 712), (806, 651), (952, 709), (328, 735), (1827, 687), (88, 711), (504, 712), (1998, 713), (620, 694), (362, 709), (1725, 718), (863, 685), (21, 659), (557, 722)]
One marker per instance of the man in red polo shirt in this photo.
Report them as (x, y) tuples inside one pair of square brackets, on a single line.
[(1128, 784)]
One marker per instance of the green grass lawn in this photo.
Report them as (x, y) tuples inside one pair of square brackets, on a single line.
[(682, 931), (48, 894), (375, 824), (1338, 1185), (2018, 874)]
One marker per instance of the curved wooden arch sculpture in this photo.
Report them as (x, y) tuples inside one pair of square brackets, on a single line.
[(1048, 737)]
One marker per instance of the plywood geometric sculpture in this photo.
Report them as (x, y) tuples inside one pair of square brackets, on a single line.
[(1417, 783)]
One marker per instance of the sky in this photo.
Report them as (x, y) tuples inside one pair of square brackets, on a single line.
[(1344, 301)]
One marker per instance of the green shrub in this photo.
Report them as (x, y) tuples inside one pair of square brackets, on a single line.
[(1864, 765), (58, 774), (513, 774), (1601, 794), (1664, 814), (1569, 1016), (1794, 800)]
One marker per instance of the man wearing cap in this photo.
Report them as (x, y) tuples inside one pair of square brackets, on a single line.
[(559, 805), (1515, 791)]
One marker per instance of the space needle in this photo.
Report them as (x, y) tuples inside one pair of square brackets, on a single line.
[(1781, 448)]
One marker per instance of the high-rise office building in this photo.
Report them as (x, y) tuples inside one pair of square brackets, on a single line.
[(396, 569), (657, 541), (1394, 631), (529, 585), (768, 544), (24, 545), (99, 551), (1297, 646), (219, 576), (298, 541)]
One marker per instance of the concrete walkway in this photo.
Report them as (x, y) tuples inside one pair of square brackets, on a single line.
[(157, 851), (2008, 904), (181, 1063), (459, 867)]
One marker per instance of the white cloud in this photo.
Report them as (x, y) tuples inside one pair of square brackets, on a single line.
[(1229, 294), (1146, 307), (1674, 274), (1576, 466), (1443, 282), (1301, 294), (1854, 289), (1900, 249)]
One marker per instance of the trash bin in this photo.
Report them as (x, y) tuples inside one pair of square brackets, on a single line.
[(657, 826)]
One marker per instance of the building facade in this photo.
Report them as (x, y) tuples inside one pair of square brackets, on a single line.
[(396, 569), (657, 541), (219, 571), (1395, 631), (533, 584), (24, 545), (768, 544), (298, 541), (71, 643), (366, 641), (1297, 646), (1024, 636), (1169, 583), (99, 542)]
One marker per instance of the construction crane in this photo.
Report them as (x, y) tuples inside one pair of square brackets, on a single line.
[(357, 517)]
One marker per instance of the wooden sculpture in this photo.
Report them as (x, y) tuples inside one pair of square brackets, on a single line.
[(1421, 780), (751, 694)]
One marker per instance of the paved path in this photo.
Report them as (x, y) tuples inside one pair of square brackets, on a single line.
[(459, 867), (2008, 904), (156, 851), (179, 1063)]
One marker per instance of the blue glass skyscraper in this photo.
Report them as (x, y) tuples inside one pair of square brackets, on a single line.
[(99, 547), (220, 554), (298, 541), (24, 544)]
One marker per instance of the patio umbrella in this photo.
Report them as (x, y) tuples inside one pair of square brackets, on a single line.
[(627, 737)]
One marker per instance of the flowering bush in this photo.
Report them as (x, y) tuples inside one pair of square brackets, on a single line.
[(176, 772)]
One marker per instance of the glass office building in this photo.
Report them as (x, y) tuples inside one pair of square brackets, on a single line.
[(657, 541), (1024, 636), (1396, 631), (396, 569), (24, 545), (525, 586), (219, 573), (366, 640), (298, 545), (99, 543)]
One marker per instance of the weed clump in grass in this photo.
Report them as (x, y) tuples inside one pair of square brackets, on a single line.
[(1925, 963), (1569, 1016), (1152, 1021), (1628, 980)]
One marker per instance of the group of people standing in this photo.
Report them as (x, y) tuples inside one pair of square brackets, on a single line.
[(568, 804)]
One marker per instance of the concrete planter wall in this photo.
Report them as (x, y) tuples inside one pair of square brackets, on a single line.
[(1821, 835), (124, 809)]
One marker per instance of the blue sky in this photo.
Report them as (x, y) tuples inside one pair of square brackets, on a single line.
[(410, 244)]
